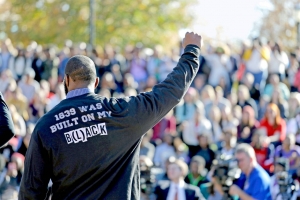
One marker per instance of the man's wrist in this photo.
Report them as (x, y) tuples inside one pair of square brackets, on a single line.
[(192, 48)]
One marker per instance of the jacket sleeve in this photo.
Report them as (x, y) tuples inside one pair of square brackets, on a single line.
[(37, 171), (6, 123), (150, 107)]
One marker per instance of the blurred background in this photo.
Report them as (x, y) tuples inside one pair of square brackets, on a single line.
[(246, 91)]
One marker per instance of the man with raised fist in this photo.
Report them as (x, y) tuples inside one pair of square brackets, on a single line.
[(88, 145)]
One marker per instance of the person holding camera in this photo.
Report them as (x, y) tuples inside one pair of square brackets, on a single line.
[(6, 123), (254, 182), (282, 184)]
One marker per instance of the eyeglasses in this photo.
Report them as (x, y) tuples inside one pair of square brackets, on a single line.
[(239, 160)]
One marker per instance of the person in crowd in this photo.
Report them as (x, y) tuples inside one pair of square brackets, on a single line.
[(215, 120), (185, 111), (49, 65), (199, 83), (37, 64), (264, 150), (107, 82), (227, 118), (19, 123), (293, 126), (281, 167), (166, 126), (26, 139), (37, 107), (14, 96), (282, 104), (229, 142), (204, 149), (274, 124), (293, 105), (279, 61), (221, 101), (244, 99), (208, 96), (168, 64), (256, 60), (5, 78), (129, 82), (197, 174), (5, 54), (138, 67), (290, 151), (219, 63), (181, 150), (164, 150), (155, 62), (19, 64), (276, 84), (254, 91), (254, 182), (263, 105), (237, 112), (28, 85), (176, 188), (247, 125), (67, 53), (193, 127)]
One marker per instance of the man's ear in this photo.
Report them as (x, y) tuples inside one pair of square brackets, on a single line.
[(67, 80), (96, 82)]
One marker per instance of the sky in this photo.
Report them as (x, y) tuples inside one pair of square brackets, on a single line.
[(234, 19)]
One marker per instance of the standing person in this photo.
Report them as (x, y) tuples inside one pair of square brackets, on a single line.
[(88, 145), (6, 123)]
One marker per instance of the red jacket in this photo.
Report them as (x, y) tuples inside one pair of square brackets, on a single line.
[(271, 129)]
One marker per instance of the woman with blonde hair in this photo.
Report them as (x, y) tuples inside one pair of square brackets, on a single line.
[(274, 124)]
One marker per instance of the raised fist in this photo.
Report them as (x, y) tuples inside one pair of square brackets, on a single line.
[(192, 38)]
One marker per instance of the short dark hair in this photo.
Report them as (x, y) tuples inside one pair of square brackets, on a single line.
[(81, 68), (199, 159)]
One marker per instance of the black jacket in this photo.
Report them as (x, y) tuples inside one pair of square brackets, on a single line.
[(88, 145), (6, 123), (191, 192)]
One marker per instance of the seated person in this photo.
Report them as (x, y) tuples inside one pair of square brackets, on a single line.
[(229, 143), (197, 174), (205, 150), (176, 188), (264, 151), (290, 151), (281, 168)]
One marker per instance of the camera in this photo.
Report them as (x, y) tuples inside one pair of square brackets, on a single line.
[(287, 185), (147, 180), (226, 172), (148, 174)]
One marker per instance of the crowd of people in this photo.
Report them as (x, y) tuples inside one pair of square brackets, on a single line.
[(251, 96)]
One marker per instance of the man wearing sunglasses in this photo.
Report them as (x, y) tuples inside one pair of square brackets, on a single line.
[(254, 183), (6, 123)]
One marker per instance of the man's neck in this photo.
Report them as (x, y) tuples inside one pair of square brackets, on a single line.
[(250, 170), (177, 181), (195, 175)]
